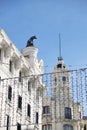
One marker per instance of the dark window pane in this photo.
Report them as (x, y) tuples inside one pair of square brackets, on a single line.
[(59, 66), (29, 86), (67, 127), (68, 113), (47, 127), (20, 102), (46, 109), (85, 127), (18, 126), (37, 117), (28, 110), (10, 93), (7, 122), (20, 76), (64, 78), (55, 81), (10, 66)]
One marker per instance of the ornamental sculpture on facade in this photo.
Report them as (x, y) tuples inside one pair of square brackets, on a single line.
[(30, 41)]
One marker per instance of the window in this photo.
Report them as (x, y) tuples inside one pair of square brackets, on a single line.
[(55, 80), (7, 127), (67, 113), (67, 127), (85, 127), (10, 93), (28, 110), (64, 78), (47, 127), (37, 117), (46, 109), (29, 86), (10, 66), (20, 76), (20, 102), (18, 126), (59, 66)]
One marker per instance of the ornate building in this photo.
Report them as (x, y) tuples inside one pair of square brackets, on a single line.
[(62, 109), (32, 100), (20, 86)]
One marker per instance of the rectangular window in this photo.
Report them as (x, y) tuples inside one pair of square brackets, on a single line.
[(67, 127), (10, 66), (37, 117), (20, 102), (10, 93), (47, 127), (67, 113), (46, 109), (28, 110), (7, 128), (59, 66), (84, 126), (29, 86), (18, 126), (20, 78)]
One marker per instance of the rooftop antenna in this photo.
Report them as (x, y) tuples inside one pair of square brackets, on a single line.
[(60, 57)]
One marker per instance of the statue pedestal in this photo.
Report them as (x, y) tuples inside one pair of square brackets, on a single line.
[(30, 52)]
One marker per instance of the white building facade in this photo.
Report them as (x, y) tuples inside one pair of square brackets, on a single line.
[(20, 87)]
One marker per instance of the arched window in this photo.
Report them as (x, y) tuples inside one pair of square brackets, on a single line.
[(67, 127), (64, 79)]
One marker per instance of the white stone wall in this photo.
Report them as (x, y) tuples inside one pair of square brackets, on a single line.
[(28, 65)]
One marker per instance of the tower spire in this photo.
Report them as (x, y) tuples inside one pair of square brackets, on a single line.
[(60, 57)]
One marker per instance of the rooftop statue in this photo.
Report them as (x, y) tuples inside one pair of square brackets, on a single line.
[(30, 41)]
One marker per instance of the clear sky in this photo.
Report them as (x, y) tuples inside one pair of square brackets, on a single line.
[(46, 19)]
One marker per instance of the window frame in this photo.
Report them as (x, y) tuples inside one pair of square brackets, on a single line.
[(37, 118), (10, 65), (46, 109), (19, 102), (9, 93), (29, 86), (68, 113), (67, 127), (47, 127), (20, 76), (8, 122), (28, 110)]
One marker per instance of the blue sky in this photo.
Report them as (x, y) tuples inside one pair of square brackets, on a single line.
[(46, 19)]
